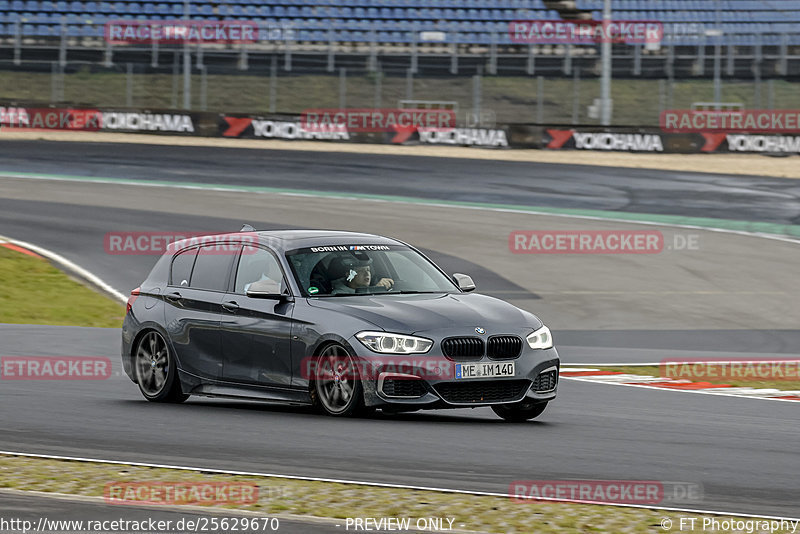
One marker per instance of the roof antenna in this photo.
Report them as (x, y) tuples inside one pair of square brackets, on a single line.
[(247, 228)]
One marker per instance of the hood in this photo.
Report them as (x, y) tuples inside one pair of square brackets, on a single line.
[(407, 314)]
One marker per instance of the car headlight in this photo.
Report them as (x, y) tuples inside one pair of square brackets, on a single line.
[(541, 339), (387, 343)]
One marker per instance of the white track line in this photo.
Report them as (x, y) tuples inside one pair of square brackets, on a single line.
[(653, 388), (379, 484), (69, 265), (415, 202)]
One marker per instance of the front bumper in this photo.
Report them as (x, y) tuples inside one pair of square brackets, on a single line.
[(420, 381)]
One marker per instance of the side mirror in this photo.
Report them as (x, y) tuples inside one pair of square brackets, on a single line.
[(464, 282), (267, 289)]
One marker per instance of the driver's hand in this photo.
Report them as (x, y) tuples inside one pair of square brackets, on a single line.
[(385, 283)]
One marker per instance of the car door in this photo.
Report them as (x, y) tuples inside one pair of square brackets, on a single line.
[(199, 279), (256, 331)]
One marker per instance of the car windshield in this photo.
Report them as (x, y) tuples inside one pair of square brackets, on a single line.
[(345, 270)]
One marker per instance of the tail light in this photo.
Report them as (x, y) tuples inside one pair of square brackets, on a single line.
[(132, 299)]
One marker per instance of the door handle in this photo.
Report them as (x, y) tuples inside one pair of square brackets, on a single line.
[(230, 305), (174, 296)]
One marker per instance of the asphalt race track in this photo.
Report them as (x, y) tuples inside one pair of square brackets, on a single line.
[(732, 295)]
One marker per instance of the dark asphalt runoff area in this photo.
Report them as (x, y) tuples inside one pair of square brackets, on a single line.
[(741, 451)]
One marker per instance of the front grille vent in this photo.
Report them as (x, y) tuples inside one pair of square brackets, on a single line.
[(403, 388), (482, 391), (504, 347), (545, 381), (463, 348)]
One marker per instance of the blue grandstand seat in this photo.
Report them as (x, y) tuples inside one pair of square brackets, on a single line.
[(393, 20)]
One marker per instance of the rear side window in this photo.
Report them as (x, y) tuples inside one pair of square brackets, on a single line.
[(182, 267), (212, 268), (258, 265)]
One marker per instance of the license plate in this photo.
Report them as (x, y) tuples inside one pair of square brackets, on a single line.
[(484, 370)]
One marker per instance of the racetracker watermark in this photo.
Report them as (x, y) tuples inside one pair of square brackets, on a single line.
[(598, 242), (180, 31), (731, 121), (740, 370), (181, 493), (157, 243), (377, 120), (395, 367), (55, 368), (585, 31), (605, 491)]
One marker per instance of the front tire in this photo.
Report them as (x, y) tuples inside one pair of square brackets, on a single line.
[(337, 388), (156, 372), (520, 412)]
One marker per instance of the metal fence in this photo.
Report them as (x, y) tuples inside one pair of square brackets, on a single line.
[(533, 84)]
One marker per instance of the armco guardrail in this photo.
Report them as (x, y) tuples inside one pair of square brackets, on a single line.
[(289, 127)]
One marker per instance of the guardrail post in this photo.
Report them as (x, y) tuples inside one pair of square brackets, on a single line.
[(53, 82), (453, 52), (203, 87), (154, 54), (756, 68), (342, 88), (409, 85), (540, 100), (273, 83), (670, 66), (129, 86), (731, 65), (530, 68), (287, 55), (108, 56), (199, 59), (637, 60), (244, 63), (17, 43), (493, 53), (373, 48), (477, 97), (331, 58), (414, 56), (783, 62), (62, 49), (175, 72), (576, 95), (567, 66), (378, 86), (701, 59)]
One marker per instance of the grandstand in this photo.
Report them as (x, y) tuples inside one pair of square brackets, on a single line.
[(467, 22), (373, 52)]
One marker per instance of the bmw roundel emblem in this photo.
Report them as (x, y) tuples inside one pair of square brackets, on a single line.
[(480, 330)]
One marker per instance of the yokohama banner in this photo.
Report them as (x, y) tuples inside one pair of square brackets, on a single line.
[(290, 128), (97, 120)]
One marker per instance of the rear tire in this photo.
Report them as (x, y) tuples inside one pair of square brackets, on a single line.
[(336, 389), (520, 412), (156, 372)]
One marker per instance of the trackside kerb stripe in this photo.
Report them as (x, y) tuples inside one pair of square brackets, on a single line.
[(615, 378), (759, 229), (68, 265), (374, 484)]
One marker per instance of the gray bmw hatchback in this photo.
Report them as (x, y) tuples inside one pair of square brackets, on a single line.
[(348, 322)]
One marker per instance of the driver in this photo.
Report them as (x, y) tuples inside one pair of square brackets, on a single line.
[(358, 274)]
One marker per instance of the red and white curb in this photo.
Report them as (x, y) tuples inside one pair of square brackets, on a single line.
[(65, 264), (601, 376)]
